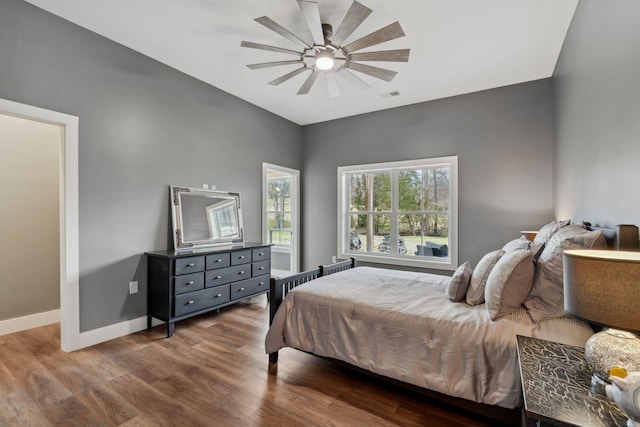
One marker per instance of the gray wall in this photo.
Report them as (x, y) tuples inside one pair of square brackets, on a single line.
[(504, 142), (143, 126), (597, 115)]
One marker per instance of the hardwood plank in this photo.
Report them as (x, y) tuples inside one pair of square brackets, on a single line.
[(213, 371), (18, 409)]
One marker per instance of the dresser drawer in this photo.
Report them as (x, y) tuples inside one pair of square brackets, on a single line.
[(261, 267), (200, 300), (249, 287), (218, 261), (241, 257), (223, 276), (188, 283), (260, 254), (188, 265)]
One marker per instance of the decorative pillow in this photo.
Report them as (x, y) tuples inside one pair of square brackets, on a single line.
[(548, 230), (460, 282), (547, 295), (509, 282), (475, 293), (515, 244), (523, 243)]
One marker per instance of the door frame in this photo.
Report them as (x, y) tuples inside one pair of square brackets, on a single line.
[(295, 192), (70, 337)]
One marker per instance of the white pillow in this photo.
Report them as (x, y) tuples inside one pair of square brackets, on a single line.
[(475, 293), (460, 282), (509, 282)]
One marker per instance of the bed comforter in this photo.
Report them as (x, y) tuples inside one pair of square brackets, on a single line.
[(402, 325)]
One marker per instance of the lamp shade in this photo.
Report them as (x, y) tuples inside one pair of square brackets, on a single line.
[(603, 287)]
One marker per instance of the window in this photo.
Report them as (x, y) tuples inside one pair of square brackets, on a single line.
[(403, 213)]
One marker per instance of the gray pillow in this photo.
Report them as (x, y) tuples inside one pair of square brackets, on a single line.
[(475, 293), (519, 243), (509, 282), (523, 243), (460, 282), (547, 295)]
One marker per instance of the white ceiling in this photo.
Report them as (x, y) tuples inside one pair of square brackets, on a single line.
[(457, 46)]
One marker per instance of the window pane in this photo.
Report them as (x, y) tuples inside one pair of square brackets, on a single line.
[(370, 192), (279, 228), (437, 185), (428, 235), (410, 190), (367, 233), (279, 194)]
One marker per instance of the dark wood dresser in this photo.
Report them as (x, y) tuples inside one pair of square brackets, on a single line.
[(182, 284)]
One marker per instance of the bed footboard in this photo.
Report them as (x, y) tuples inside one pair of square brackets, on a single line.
[(279, 288)]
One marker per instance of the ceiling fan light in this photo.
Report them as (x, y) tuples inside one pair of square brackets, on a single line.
[(324, 63)]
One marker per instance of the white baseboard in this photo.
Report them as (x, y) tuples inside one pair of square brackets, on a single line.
[(107, 333), (84, 339), (18, 324)]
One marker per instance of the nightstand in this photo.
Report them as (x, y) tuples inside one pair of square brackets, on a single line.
[(556, 383)]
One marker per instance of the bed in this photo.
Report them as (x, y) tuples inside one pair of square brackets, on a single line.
[(403, 325)]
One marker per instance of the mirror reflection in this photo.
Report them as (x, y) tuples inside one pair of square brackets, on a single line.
[(205, 217)]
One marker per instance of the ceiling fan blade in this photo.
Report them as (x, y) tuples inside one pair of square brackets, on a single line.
[(311, 16), (274, 26), (287, 76), (378, 73), (273, 64), (390, 32), (400, 55), (356, 14), (332, 85), (306, 86), (352, 78), (269, 48)]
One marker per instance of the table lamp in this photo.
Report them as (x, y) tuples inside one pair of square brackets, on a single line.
[(603, 288)]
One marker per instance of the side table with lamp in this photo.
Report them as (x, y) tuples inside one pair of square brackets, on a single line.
[(603, 288)]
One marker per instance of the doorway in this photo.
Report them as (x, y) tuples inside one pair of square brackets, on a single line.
[(68, 214), (280, 217)]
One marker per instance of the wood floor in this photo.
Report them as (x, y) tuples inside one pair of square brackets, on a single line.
[(212, 372)]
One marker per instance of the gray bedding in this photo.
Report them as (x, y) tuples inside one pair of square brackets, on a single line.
[(402, 325)]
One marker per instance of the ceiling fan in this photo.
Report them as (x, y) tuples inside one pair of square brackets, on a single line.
[(328, 55)]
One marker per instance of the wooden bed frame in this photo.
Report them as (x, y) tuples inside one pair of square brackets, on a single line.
[(279, 288), (622, 237)]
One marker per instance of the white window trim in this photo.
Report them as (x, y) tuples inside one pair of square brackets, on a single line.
[(450, 263)]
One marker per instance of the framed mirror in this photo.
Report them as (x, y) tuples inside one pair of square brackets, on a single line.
[(205, 217)]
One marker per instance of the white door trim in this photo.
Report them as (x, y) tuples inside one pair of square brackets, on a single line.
[(71, 339)]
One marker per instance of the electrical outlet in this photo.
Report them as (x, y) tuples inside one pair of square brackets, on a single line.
[(333, 259), (205, 186), (133, 287), (213, 186)]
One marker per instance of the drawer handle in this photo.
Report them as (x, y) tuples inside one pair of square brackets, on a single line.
[(190, 302), (218, 296), (241, 257), (241, 289), (242, 272), (261, 283), (261, 254), (261, 268), (219, 260), (218, 277), (190, 283), (190, 264)]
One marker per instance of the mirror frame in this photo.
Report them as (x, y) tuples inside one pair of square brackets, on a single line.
[(179, 243)]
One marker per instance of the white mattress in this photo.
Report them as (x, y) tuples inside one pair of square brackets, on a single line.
[(402, 325)]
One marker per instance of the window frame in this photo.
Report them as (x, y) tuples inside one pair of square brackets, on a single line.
[(431, 262)]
